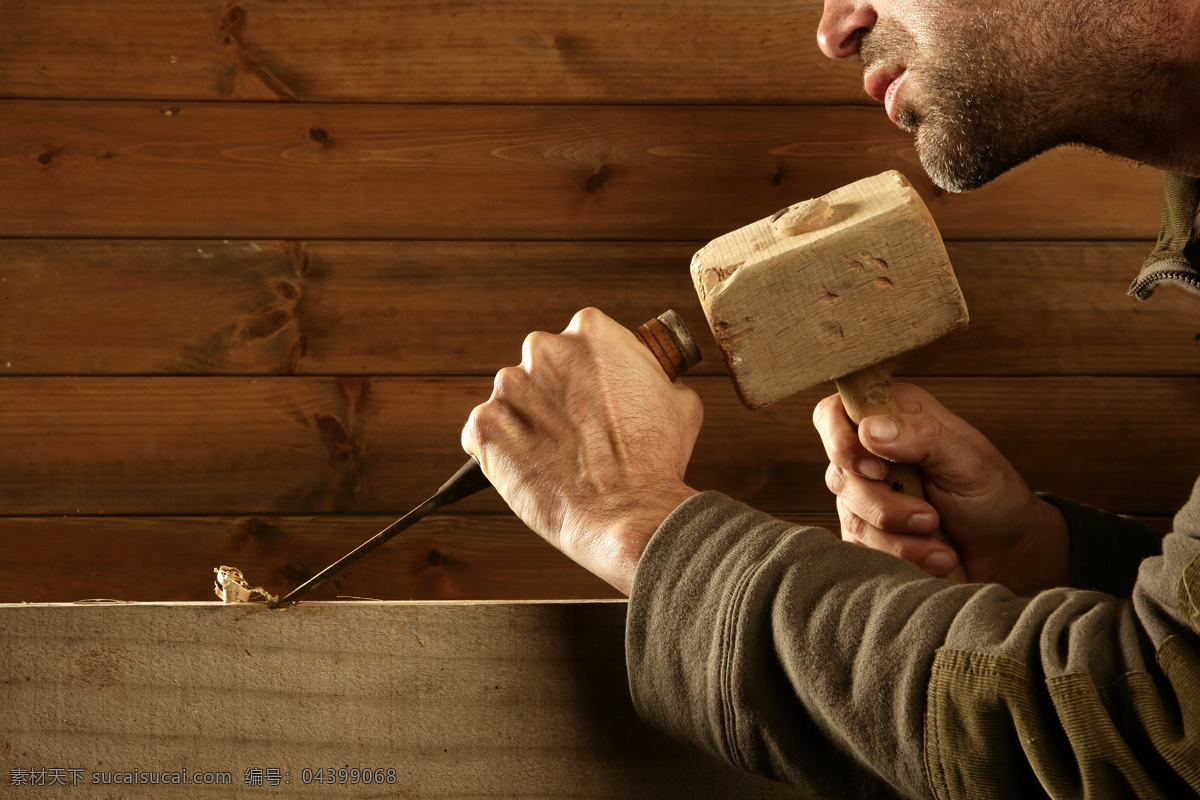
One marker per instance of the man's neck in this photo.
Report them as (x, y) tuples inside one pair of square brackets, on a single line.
[(1188, 95), (1161, 124)]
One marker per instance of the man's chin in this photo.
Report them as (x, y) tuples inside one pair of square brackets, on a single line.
[(962, 157), (957, 168), (952, 180), (951, 165)]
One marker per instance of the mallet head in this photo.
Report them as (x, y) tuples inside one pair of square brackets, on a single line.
[(827, 287)]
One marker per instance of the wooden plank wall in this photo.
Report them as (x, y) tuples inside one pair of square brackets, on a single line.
[(259, 259)]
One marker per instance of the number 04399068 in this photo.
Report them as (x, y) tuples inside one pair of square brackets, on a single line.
[(348, 775)]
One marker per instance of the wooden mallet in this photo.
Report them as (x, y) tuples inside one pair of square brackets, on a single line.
[(830, 289)]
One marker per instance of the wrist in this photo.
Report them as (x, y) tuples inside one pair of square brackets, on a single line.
[(611, 538), (1042, 558)]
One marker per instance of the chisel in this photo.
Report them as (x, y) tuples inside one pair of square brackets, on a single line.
[(667, 338)]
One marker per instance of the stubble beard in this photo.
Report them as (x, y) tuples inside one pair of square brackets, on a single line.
[(972, 112)]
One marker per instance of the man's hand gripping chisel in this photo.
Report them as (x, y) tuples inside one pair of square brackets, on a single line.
[(667, 338)]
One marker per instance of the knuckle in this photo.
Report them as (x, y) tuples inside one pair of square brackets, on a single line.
[(875, 511), (859, 530), (886, 517), (589, 315), (859, 497), (493, 423), (536, 345), (844, 449), (475, 432), (539, 340), (509, 382), (822, 412), (927, 428), (834, 428), (854, 528), (835, 479), (839, 440), (585, 319), (470, 432)]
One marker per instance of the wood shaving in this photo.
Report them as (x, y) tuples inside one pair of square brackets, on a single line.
[(232, 587)]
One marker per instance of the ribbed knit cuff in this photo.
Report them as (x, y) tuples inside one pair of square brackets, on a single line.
[(1106, 548)]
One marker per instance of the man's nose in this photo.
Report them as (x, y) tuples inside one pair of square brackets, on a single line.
[(838, 32)]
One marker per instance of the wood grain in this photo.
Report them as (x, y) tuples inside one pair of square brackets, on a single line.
[(446, 557), (1061, 308), (695, 51), (96, 307), (458, 700), (826, 289), (227, 170), (276, 315), (302, 445), (212, 307)]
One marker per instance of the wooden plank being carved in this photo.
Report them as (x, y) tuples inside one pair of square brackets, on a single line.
[(432, 700)]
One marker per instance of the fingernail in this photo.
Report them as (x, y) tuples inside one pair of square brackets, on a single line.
[(922, 523), (940, 563), (881, 429), (871, 468)]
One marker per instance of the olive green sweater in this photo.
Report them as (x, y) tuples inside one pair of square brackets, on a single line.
[(849, 673)]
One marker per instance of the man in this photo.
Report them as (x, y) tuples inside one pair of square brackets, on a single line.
[(842, 669), (998, 97)]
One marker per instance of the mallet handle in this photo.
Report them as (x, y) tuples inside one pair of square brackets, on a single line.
[(869, 393)]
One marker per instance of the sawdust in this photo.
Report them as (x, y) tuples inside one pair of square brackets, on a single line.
[(232, 587)]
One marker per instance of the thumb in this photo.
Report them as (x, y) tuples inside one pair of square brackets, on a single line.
[(922, 439)]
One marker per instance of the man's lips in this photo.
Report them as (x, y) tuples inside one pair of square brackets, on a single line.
[(883, 84)]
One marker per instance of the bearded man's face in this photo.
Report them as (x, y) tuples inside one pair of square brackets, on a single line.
[(985, 86)]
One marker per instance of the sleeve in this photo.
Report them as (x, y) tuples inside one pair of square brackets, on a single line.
[(1106, 548), (849, 673)]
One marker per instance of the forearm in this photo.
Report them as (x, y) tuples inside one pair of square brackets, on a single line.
[(844, 671), (743, 638)]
